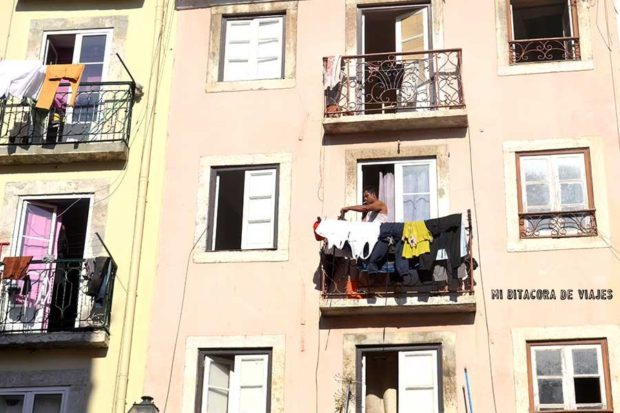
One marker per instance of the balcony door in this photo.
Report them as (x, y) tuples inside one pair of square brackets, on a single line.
[(26, 302), (90, 48), (396, 76)]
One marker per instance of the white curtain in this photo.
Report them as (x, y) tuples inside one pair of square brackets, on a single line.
[(387, 193)]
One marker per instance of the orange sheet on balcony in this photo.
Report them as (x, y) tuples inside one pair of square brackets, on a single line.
[(53, 76)]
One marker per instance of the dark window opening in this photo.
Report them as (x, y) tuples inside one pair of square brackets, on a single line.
[(587, 390), (66, 241), (244, 215), (399, 378), (234, 380), (543, 30), (60, 49), (229, 210)]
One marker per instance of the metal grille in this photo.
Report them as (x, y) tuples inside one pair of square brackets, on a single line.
[(543, 50), (558, 224), (396, 82), (102, 113), (56, 296)]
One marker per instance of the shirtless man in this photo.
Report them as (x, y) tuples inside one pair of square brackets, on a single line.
[(373, 208)]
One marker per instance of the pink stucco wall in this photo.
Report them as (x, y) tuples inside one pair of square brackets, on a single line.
[(280, 298)]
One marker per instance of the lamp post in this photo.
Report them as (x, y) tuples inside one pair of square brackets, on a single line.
[(145, 406)]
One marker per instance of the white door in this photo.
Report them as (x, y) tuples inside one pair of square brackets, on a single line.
[(259, 201), (412, 35), (416, 190), (417, 382)]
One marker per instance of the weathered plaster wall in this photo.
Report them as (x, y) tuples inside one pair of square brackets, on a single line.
[(281, 298), (114, 183)]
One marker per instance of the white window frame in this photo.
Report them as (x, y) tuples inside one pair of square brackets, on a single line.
[(30, 392), (568, 387), (234, 385), (434, 352), (254, 22), (398, 165), (554, 182), (275, 169), (77, 48), (21, 213)]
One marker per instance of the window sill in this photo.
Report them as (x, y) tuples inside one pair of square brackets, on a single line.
[(245, 85), (202, 257), (545, 67), (552, 244)]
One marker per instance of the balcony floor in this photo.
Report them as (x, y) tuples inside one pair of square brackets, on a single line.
[(67, 339), (63, 153), (428, 119), (436, 304)]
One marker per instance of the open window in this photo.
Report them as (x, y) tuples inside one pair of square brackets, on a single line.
[(234, 381), (53, 231), (396, 69), (89, 48), (569, 376), (400, 379), (243, 216), (543, 30), (408, 187)]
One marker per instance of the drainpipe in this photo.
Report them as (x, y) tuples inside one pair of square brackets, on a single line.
[(138, 232)]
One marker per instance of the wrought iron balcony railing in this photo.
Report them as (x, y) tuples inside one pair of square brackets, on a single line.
[(345, 278), (59, 295), (544, 50), (561, 224), (102, 113), (396, 82)]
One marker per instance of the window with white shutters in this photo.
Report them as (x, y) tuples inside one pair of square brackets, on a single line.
[(243, 216), (235, 382), (253, 48), (400, 379)]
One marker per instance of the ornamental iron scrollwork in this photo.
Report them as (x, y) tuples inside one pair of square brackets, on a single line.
[(561, 224), (396, 83), (101, 113), (544, 50)]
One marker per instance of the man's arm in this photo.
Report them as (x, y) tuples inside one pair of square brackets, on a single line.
[(377, 206)]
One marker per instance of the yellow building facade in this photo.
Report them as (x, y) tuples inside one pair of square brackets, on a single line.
[(80, 189)]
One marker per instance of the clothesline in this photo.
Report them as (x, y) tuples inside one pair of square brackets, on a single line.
[(436, 246)]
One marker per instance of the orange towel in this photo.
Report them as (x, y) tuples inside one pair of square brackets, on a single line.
[(53, 75), (15, 268)]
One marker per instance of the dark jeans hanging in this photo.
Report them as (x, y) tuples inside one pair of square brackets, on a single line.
[(389, 233)]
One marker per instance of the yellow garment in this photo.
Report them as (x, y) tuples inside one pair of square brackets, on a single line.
[(53, 75), (417, 239)]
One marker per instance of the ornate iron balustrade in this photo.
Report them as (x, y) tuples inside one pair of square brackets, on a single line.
[(558, 224), (396, 82), (102, 113), (59, 295), (341, 277), (543, 50)]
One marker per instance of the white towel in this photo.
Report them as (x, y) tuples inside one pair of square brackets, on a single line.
[(21, 78), (362, 234), (335, 231)]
